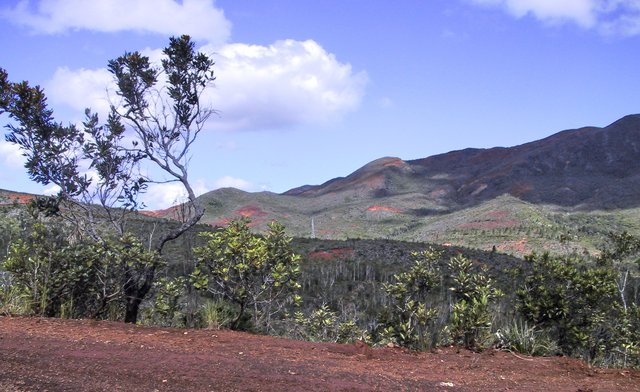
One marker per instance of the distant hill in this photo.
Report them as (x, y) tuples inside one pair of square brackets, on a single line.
[(589, 168), (562, 193)]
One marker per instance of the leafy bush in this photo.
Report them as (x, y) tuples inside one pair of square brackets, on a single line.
[(166, 308), (258, 274), (59, 276), (525, 339), (473, 293), (578, 304), (409, 316), (219, 314), (324, 325)]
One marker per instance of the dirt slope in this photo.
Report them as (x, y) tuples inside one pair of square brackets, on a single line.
[(67, 355)]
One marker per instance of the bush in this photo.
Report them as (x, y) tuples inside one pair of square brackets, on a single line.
[(409, 317), (324, 325), (473, 294), (257, 274), (522, 338), (219, 314), (577, 303)]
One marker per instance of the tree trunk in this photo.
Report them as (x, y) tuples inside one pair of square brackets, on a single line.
[(131, 314), (136, 293)]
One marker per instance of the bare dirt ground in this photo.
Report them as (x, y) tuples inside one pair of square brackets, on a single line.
[(81, 355)]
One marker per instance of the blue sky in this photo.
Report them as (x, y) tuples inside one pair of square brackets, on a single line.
[(311, 90)]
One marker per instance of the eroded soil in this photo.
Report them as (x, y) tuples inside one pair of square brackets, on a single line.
[(81, 355)]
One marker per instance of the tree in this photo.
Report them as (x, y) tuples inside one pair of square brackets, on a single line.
[(258, 274), (410, 315), (473, 292), (57, 276), (156, 120), (579, 303)]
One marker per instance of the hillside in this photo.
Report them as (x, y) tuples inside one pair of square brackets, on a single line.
[(587, 168), (563, 193)]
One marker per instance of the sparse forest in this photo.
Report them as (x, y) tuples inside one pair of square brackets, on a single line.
[(378, 291), (88, 253)]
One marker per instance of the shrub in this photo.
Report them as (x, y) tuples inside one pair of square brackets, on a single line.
[(257, 274), (577, 303), (408, 316), (473, 293), (525, 339)]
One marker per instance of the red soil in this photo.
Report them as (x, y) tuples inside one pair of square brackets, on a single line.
[(251, 212), (332, 254), (520, 246), (83, 355), (395, 162), (171, 212), (383, 208), (18, 198)]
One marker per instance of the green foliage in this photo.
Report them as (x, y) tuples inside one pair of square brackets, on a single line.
[(578, 303), (409, 314), (46, 269), (166, 308), (163, 125), (525, 339), (219, 314), (60, 276), (324, 325), (259, 274), (320, 324), (13, 300), (473, 293)]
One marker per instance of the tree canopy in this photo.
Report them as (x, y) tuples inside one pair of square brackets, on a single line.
[(155, 119)]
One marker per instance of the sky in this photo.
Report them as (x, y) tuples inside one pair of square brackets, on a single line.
[(311, 90)]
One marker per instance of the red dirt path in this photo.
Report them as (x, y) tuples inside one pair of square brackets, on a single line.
[(82, 355)]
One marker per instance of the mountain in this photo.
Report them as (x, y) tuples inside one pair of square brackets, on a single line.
[(590, 168), (564, 192)]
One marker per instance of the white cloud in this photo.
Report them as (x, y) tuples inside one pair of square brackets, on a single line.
[(281, 85), (198, 18), (51, 190), (165, 195), (11, 155), (611, 17), (231, 182), (257, 87), (579, 11), (81, 88)]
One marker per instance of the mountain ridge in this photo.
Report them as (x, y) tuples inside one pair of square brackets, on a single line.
[(563, 193), (577, 184), (581, 162)]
